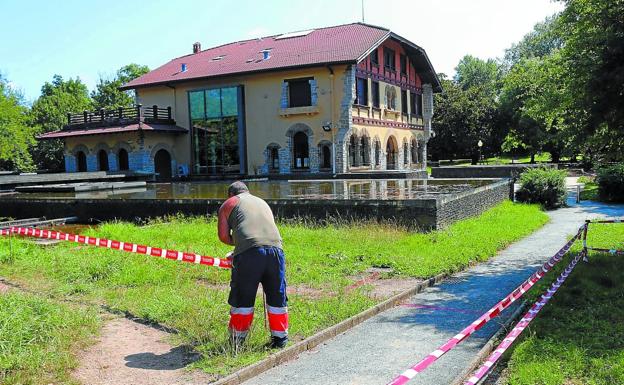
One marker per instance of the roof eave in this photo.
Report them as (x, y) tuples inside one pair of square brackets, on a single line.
[(125, 87), (437, 87)]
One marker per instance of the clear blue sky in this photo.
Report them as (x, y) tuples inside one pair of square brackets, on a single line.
[(89, 39)]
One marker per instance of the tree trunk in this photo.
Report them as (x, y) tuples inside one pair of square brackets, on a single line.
[(532, 158)]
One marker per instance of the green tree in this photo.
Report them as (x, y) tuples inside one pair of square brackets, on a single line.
[(107, 94), (474, 72), (543, 40), (49, 113), (16, 133), (463, 117), (593, 53)]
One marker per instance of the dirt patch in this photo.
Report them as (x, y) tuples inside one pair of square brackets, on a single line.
[(306, 291), (386, 288), (131, 353), (4, 287)]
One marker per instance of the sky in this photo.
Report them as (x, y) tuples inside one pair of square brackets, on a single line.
[(92, 39)]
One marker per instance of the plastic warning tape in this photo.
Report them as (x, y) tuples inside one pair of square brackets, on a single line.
[(123, 246), (487, 316), (610, 251), (522, 324)]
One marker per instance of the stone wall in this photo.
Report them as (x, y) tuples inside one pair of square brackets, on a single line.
[(421, 214), (471, 203), (506, 171)]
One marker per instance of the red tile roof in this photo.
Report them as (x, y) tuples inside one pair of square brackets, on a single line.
[(340, 44), (111, 130)]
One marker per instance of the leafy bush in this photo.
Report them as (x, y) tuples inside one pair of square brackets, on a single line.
[(610, 181), (544, 186)]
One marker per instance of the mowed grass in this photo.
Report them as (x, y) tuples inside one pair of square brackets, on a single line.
[(321, 262), (37, 336), (578, 338)]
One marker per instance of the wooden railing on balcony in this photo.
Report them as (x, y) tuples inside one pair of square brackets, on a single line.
[(119, 117)]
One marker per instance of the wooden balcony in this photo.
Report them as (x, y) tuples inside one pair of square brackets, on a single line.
[(121, 116)]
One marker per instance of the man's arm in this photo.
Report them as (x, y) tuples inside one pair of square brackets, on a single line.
[(222, 224)]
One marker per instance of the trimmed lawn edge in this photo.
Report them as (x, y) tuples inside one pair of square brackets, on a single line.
[(490, 345), (311, 342)]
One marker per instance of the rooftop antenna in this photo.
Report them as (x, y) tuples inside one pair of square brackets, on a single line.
[(362, 11)]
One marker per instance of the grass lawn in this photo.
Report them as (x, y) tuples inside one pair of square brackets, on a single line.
[(37, 336), (578, 338), (321, 261)]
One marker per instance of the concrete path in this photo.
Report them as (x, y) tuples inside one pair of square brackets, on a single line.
[(382, 347)]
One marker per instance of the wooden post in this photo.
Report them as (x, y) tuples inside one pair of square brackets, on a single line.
[(69, 118), (120, 112), (154, 112), (139, 113), (85, 114), (169, 112), (102, 115)]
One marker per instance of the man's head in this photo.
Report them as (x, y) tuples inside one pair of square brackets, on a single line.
[(236, 188)]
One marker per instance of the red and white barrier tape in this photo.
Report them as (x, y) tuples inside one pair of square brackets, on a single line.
[(123, 246), (522, 324), (487, 316)]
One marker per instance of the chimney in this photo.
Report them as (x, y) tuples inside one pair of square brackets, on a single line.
[(196, 47)]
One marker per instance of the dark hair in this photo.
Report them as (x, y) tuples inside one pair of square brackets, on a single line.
[(236, 188)]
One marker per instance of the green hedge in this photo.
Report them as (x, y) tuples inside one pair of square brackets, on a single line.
[(544, 186), (610, 181)]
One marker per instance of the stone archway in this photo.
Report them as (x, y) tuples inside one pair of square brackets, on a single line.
[(162, 164), (392, 153), (302, 154)]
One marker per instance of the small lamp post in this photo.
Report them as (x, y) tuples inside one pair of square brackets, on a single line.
[(479, 144)]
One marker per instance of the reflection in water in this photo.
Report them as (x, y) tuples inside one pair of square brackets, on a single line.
[(389, 189)]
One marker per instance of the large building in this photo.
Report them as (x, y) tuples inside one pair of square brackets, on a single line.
[(342, 99)]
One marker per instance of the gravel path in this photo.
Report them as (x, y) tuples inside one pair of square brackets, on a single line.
[(385, 345)]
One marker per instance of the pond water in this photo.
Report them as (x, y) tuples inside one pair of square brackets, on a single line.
[(369, 189)]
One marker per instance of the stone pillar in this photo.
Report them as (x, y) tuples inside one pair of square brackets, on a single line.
[(92, 163), (70, 163), (315, 163), (284, 158), (345, 120), (112, 162), (427, 117)]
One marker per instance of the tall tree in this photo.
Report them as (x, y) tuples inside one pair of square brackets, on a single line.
[(463, 117), (49, 112), (474, 72), (16, 133), (593, 54), (107, 94)]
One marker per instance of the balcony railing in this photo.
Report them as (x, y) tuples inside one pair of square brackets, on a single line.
[(119, 117)]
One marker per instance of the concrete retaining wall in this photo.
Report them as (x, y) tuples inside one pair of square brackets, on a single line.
[(423, 214)]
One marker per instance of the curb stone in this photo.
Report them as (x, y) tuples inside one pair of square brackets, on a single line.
[(311, 342)]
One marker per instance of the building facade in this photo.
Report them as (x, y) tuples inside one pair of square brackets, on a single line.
[(343, 99)]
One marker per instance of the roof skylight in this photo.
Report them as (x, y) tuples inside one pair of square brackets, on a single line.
[(294, 34)]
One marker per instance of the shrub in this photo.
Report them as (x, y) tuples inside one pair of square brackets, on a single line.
[(544, 186), (610, 181)]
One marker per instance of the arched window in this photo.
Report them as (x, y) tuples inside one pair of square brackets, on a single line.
[(377, 153), (353, 155), (414, 151), (391, 154), (274, 158), (102, 160), (365, 151), (301, 151), (122, 159), (391, 98), (326, 160), (405, 153), (81, 159)]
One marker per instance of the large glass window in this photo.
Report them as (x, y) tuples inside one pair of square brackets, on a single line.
[(361, 95), (215, 119), (375, 92), (389, 59)]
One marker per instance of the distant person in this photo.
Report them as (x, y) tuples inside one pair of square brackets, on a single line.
[(246, 222)]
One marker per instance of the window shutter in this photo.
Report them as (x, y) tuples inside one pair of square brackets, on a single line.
[(313, 91), (284, 99)]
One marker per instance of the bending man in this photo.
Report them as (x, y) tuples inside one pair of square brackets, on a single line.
[(246, 222)]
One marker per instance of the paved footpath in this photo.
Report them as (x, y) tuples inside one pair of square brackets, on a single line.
[(380, 348)]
